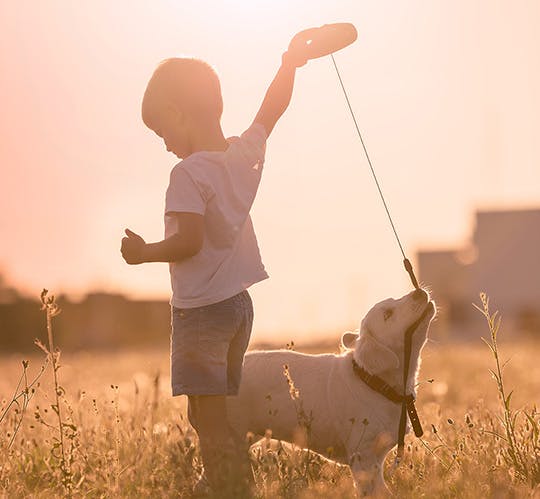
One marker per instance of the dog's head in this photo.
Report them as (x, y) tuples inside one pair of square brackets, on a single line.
[(380, 344)]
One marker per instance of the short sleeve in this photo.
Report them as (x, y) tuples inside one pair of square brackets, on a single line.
[(183, 194), (253, 141)]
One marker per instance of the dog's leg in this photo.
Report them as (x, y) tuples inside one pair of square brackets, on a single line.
[(368, 476)]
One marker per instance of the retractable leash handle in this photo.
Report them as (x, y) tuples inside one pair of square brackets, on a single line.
[(313, 43)]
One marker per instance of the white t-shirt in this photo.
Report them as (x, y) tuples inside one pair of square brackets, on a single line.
[(221, 186)]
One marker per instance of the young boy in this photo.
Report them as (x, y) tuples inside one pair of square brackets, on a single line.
[(210, 243)]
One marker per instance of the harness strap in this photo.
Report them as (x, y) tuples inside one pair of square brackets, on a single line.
[(408, 408), (407, 401), (383, 388)]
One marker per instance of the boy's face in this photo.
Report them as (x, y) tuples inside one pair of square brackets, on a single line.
[(169, 124)]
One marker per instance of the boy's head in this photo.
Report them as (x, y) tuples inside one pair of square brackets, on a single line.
[(182, 91)]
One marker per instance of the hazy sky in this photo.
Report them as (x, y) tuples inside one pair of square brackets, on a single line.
[(447, 94)]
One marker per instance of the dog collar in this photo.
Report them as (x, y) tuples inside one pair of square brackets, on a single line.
[(379, 385), (383, 388)]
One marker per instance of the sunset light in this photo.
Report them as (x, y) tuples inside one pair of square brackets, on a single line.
[(292, 224), (448, 129)]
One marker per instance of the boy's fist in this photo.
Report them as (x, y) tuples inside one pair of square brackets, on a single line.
[(297, 51), (132, 248)]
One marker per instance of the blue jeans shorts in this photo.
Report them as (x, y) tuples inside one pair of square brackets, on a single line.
[(208, 345)]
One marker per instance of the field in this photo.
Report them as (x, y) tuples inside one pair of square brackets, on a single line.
[(125, 436)]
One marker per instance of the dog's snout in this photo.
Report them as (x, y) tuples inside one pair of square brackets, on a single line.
[(420, 294)]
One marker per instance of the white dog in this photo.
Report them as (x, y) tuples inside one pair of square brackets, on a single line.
[(340, 416)]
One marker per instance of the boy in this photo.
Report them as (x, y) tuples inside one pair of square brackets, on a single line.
[(209, 242)]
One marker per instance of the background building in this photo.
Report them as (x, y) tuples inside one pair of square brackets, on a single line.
[(502, 259)]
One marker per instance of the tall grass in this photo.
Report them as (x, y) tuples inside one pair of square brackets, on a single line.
[(66, 442), (59, 450), (521, 428), (19, 402)]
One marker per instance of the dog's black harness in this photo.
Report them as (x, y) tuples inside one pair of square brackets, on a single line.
[(407, 401)]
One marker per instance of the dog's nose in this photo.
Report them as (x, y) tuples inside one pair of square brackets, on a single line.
[(419, 294)]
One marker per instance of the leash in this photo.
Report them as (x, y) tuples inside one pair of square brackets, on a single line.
[(318, 42), (407, 402), (406, 262)]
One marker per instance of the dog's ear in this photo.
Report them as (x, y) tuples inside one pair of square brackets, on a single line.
[(348, 339), (373, 356)]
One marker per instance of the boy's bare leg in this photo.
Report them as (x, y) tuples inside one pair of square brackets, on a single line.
[(226, 462)]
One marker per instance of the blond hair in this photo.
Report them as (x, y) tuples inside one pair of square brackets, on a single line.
[(191, 84)]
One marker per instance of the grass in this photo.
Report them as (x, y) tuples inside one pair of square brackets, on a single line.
[(105, 425)]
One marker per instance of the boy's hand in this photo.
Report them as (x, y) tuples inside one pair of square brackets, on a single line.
[(296, 55), (132, 248)]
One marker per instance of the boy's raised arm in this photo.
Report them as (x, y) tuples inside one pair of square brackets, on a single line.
[(277, 97), (307, 44), (279, 93)]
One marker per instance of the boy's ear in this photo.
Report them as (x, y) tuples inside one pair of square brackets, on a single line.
[(348, 339), (175, 112), (373, 356)]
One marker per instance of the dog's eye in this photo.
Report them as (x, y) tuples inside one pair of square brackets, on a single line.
[(388, 313)]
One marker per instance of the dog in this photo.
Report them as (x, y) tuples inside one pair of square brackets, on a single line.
[(320, 402)]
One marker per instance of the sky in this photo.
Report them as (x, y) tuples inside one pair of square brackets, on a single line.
[(446, 93)]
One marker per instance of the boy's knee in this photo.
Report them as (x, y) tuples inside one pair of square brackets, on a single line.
[(208, 415)]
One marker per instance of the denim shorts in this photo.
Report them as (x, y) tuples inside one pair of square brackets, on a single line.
[(208, 345)]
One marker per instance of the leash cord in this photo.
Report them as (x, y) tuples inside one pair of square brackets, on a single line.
[(406, 262), (368, 158), (405, 408)]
